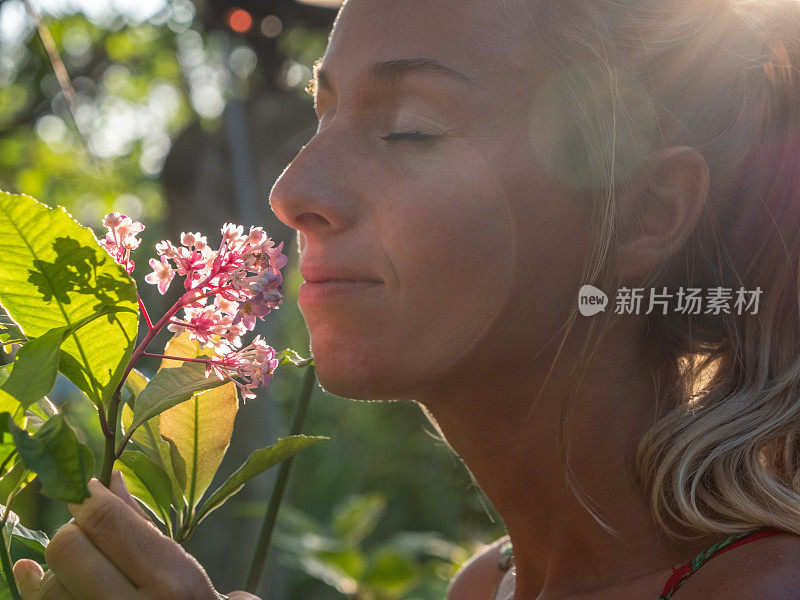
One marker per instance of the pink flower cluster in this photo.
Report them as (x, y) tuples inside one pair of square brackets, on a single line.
[(228, 289), (122, 237), (255, 364)]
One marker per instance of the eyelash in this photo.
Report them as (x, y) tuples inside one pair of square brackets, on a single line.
[(410, 136)]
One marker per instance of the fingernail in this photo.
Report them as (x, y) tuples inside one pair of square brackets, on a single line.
[(91, 485), (117, 474)]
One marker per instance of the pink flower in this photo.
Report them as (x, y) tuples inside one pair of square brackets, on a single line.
[(166, 249), (127, 228), (257, 236), (248, 368), (228, 290), (226, 306), (194, 239), (265, 294), (207, 325), (232, 235), (112, 220), (122, 238), (162, 274), (276, 259), (189, 262)]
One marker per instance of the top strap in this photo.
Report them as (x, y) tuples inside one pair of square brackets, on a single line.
[(682, 573)]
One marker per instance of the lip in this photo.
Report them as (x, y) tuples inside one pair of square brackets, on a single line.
[(313, 292), (326, 282), (322, 272)]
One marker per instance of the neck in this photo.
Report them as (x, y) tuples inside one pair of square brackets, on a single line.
[(560, 550)]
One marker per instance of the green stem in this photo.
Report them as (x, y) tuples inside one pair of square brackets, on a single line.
[(262, 547), (5, 559), (109, 451)]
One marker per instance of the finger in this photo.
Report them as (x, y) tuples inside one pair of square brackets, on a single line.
[(135, 546), (28, 575), (118, 486), (83, 570), (242, 596), (52, 589)]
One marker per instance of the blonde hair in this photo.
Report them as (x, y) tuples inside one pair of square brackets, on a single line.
[(722, 76)]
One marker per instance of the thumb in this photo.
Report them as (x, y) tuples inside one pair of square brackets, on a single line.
[(28, 575), (242, 596), (119, 488)]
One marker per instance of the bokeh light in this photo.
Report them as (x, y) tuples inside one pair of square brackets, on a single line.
[(271, 26), (240, 20)]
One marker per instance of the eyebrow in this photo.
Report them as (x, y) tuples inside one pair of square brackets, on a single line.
[(390, 72)]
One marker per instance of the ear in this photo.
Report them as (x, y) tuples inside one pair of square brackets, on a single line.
[(667, 199)]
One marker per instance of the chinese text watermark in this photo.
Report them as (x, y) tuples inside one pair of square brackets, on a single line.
[(690, 301)]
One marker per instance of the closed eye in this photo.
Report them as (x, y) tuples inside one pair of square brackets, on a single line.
[(411, 136)]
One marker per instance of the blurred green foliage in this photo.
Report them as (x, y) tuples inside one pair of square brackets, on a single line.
[(131, 100)]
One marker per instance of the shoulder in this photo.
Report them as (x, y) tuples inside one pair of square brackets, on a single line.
[(478, 577), (763, 569)]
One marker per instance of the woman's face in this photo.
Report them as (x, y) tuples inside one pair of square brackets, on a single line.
[(424, 177)]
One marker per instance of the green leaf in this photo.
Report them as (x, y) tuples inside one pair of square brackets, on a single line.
[(147, 436), (330, 574), (294, 358), (351, 562), (148, 483), (10, 333), (175, 453), (54, 274), (38, 413), (36, 365), (16, 477), (200, 430), (64, 465), (148, 439), (392, 571), (35, 368), (7, 457), (8, 451), (134, 383), (358, 517), (258, 462), (43, 408), (33, 538), (170, 387), (10, 405), (15, 531), (423, 544), (184, 346), (5, 591), (5, 372)]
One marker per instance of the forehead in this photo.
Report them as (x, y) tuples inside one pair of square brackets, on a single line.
[(483, 39)]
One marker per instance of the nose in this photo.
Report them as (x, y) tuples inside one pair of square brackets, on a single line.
[(316, 192)]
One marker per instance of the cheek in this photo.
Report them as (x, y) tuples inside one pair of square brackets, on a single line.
[(445, 235), (490, 268), (479, 255), (450, 237)]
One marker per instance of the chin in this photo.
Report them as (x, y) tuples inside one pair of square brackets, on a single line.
[(354, 372), (342, 376)]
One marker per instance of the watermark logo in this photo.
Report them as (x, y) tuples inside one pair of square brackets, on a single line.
[(689, 301), (591, 300)]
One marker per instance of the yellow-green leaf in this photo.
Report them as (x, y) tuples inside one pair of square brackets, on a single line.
[(148, 483), (201, 430), (53, 274), (258, 462)]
